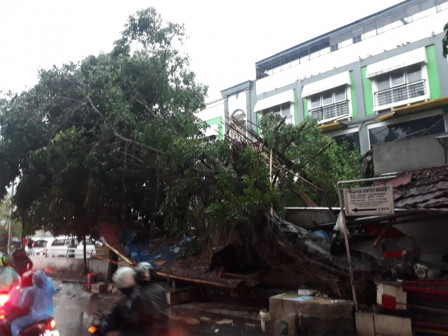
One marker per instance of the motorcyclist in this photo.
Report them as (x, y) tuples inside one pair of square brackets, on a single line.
[(19, 303), (144, 309), (39, 299), (22, 263), (9, 278), (149, 303), (119, 318)]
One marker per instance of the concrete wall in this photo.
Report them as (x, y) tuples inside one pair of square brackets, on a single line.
[(398, 156), (69, 265)]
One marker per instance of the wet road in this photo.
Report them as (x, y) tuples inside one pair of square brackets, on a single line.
[(75, 308)]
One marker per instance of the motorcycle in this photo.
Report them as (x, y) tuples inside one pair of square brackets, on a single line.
[(100, 326), (44, 327)]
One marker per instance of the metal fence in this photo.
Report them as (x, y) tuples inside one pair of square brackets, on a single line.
[(330, 111), (400, 93)]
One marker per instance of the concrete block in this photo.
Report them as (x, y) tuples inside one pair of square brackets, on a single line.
[(389, 325), (98, 288), (365, 325), (308, 315)]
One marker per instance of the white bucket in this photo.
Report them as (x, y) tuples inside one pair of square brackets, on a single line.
[(264, 316)]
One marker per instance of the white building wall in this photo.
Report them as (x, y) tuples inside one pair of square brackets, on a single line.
[(238, 101), (212, 110), (376, 44)]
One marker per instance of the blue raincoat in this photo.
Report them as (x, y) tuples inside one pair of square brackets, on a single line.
[(41, 293), (8, 279)]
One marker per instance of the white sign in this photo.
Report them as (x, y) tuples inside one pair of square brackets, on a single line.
[(369, 201)]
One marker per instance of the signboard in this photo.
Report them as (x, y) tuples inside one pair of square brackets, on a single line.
[(369, 201)]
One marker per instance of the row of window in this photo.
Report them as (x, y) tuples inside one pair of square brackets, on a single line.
[(391, 89), (408, 129), (358, 38)]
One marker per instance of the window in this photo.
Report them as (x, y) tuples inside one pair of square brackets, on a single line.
[(399, 86), (58, 242), (352, 139), (407, 129), (283, 110), (329, 104), (40, 243)]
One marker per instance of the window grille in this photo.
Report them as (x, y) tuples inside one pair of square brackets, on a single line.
[(330, 111), (400, 93)]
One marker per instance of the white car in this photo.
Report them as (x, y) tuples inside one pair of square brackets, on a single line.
[(39, 245), (69, 247), (90, 248)]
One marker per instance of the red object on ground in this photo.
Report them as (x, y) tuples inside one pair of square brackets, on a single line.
[(375, 230), (91, 278), (388, 302)]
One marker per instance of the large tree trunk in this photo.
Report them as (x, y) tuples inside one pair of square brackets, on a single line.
[(86, 270), (112, 267)]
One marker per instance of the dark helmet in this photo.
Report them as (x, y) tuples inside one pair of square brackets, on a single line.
[(143, 275)]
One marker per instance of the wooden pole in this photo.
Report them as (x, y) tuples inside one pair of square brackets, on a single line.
[(109, 260), (120, 254)]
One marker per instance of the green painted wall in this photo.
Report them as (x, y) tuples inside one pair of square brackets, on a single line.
[(353, 96), (305, 108), (433, 73), (368, 93), (257, 119), (296, 108), (216, 121)]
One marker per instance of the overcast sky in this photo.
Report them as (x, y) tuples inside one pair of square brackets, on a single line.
[(225, 38)]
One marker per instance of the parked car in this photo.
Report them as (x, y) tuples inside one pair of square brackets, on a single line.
[(90, 248), (61, 246), (67, 246), (40, 245)]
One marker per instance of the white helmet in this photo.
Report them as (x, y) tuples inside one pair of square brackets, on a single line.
[(124, 277)]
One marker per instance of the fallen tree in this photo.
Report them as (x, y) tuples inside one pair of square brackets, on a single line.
[(282, 256)]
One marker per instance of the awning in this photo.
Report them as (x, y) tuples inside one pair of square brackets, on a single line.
[(397, 62), (326, 84), (385, 116), (331, 127), (212, 130), (417, 107), (278, 99), (422, 106)]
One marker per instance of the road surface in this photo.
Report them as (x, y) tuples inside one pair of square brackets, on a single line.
[(75, 308)]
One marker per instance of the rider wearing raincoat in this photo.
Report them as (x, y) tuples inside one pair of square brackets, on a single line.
[(8, 277), (41, 296)]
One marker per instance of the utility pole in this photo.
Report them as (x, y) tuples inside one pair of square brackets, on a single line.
[(10, 220)]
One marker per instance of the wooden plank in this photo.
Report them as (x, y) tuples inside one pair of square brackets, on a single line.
[(223, 284)]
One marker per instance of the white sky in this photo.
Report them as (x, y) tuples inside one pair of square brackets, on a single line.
[(225, 38)]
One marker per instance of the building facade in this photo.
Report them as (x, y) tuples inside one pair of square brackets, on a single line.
[(380, 79)]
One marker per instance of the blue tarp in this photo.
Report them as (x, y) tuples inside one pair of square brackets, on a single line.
[(138, 246)]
